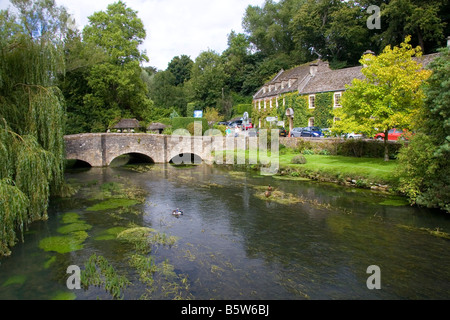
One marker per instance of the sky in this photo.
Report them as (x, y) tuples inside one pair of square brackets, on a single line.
[(174, 27)]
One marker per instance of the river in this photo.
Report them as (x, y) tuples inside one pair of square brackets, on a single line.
[(308, 240)]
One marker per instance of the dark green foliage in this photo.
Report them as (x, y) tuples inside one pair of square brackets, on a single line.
[(183, 123), (425, 165), (32, 118), (238, 110), (323, 112), (369, 149)]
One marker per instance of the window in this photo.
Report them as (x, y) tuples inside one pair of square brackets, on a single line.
[(311, 122), (312, 101), (337, 99)]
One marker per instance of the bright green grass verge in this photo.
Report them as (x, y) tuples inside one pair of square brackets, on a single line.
[(335, 168), (371, 169)]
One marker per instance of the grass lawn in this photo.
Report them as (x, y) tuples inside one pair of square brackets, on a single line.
[(371, 169), (326, 167)]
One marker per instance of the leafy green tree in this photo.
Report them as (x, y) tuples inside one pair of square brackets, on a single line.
[(334, 30), (424, 162), (389, 96), (208, 79), (116, 86), (422, 19), (165, 93), (269, 26), (181, 67), (32, 115)]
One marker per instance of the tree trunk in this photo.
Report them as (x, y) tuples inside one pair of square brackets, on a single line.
[(421, 41), (386, 147)]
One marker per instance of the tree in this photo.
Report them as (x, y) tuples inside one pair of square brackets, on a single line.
[(208, 79), (181, 68), (424, 163), (389, 96), (269, 27), (165, 94), (116, 86), (422, 19), (334, 30), (32, 116)]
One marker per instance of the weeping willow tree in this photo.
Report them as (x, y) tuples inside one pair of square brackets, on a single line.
[(32, 116)]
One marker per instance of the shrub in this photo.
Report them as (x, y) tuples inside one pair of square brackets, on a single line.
[(363, 148), (324, 152), (308, 151), (299, 159), (183, 123)]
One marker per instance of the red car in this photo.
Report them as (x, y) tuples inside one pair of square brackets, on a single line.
[(393, 135)]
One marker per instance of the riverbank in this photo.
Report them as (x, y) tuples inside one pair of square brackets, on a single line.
[(368, 173)]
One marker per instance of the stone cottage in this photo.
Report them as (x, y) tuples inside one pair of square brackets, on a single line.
[(315, 90)]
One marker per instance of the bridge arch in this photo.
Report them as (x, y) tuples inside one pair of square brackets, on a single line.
[(185, 158), (130, 157), (78, 163)]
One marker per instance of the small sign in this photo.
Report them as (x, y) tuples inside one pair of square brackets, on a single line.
[(271, 119), (198, 114)]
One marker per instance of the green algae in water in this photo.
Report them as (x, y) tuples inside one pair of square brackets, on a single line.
[(49, 262), (63, 295), (395, 202), (80, 226), (113, 204), (19, 279), (70, 217), (110, 234), (64, 244)]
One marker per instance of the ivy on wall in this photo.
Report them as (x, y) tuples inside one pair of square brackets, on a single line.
[(322, 113)]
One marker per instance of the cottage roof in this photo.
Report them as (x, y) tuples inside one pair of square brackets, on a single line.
[(127, 124), (333, 80), (289, 80), (426, 59), (156, 126), (324, 79)]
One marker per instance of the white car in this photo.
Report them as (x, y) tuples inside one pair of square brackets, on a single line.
[(355, 135)]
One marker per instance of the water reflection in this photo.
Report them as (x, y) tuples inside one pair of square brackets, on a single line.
[(235, 244)]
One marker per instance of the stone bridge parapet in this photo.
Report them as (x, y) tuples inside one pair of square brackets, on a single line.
[(100, 149)]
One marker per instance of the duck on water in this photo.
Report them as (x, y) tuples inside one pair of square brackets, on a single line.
[(177, 212)]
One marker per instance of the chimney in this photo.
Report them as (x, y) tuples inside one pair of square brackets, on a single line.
[(368, 52), (313, 69)]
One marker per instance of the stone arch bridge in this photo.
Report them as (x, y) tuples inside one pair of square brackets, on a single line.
[(100, 149)]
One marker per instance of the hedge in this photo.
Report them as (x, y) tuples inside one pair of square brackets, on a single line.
[(183, 123)]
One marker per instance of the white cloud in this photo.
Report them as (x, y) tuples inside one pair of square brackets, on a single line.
[(174, 27)]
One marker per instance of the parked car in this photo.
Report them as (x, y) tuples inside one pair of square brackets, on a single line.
[(248, 126), (353, 135), (309, 133), (283, 132), (394, 135), (236, 123), (296, 132), (315, 130)]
